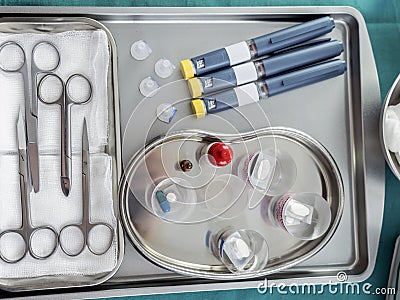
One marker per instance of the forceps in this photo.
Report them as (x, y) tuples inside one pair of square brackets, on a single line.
[(53, 90), (13, 60), (85, 226), (27, 232)]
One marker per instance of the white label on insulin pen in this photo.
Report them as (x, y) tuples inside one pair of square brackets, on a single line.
[(238, 53), (245, 73), (247, 94)]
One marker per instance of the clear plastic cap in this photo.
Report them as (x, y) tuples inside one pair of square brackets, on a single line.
[(140, 50), (225, 196), (285, 173), (148, 87), (166, 112), (164, 68)]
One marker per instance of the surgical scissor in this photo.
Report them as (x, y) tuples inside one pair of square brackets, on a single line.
[(13, 60), (53, 90), (27, 232), (85, 226)]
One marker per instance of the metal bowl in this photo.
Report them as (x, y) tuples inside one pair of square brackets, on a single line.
[(392, 98), (180, 246)]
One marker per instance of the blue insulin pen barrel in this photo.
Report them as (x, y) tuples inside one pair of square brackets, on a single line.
[(253, 92), (257, 47), (251, 71)]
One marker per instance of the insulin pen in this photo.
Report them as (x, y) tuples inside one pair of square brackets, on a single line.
[(257, 47), (251, 71), (262, 89)]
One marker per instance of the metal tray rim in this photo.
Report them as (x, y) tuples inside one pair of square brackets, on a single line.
[(388, 156)]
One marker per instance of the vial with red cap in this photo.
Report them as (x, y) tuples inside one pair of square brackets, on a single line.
[(218, 154)]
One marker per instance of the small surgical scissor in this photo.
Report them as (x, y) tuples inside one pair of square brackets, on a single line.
[(31, 236), (45, 58), (76, 91), (86, 226)]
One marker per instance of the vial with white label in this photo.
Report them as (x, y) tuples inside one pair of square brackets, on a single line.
[(241, 251), (306, 216), (272, 172)]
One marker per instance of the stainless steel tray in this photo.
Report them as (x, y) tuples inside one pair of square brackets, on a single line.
[(17, 25), (179, 245), (341, 114)]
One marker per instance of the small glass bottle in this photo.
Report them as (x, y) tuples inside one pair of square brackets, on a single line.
[(217, 154), (240, 250), (270, 171), (172, 199), (306, 216)]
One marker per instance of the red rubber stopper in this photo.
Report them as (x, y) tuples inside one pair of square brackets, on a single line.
[(221, 153)]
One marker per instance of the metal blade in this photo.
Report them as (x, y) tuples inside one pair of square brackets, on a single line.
[(23, 162), (33, 153), (30, 164), (85, 148), (21, 133)]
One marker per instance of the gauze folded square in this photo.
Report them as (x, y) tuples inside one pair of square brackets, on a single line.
[(83, 52)]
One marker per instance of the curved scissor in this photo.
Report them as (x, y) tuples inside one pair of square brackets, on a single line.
[(63, 98)]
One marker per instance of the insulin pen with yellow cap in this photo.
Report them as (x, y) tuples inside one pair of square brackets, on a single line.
[(262, 89), (257, 47), (251, 71)]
